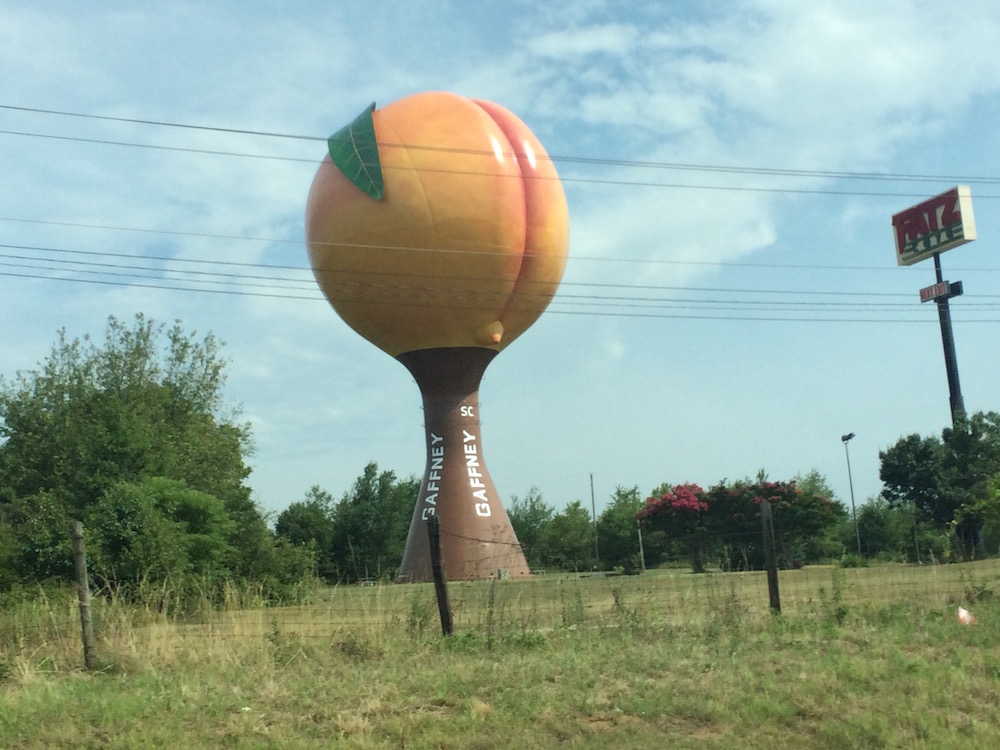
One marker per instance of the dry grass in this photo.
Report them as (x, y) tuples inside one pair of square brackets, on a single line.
[(860, 658)]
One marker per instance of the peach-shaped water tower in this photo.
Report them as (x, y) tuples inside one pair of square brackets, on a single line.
[(437, 228)]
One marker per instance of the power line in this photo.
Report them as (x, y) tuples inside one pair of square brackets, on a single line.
[(569, 159), (309, 280), (389, 293), (584, 180), (598, 306), (276, 284), (155, 147), (575, 258), (160, 123)]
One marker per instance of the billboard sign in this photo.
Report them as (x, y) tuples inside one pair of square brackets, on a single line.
[(941, 223)]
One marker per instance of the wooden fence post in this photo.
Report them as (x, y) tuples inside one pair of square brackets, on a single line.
[(437, 570), (770, 561), (83, 594)]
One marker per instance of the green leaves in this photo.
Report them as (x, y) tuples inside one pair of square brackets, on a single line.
[(354, 150), (128, 412)]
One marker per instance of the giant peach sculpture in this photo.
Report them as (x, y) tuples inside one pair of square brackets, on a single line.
[(437, 228)]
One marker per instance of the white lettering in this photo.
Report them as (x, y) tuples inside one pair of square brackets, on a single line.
[(433, 476), (472, 467)]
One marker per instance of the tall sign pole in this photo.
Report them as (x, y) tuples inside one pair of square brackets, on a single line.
[(927, 230), (948, 340)]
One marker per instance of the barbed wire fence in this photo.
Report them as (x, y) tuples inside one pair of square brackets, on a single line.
[(539, 604)]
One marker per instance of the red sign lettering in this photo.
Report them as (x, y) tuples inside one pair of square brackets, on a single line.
[(936, 225)]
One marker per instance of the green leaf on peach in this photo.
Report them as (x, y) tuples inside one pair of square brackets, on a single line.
[(354, 150)]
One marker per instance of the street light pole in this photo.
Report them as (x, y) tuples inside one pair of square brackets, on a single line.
[(847, 438), (593, 512)]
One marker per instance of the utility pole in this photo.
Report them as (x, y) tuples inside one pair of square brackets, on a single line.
[(638, 528), (593, 512)]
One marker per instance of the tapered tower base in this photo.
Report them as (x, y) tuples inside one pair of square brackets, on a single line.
[(477, 540)]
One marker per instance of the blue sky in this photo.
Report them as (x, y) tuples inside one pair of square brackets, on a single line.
[(732, 301)]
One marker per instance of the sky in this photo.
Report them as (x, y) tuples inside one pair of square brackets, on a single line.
[(731, 303)]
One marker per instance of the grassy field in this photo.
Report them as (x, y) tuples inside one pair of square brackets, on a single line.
[(860, 658)]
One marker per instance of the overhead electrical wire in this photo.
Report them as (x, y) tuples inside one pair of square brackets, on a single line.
[(756, 171), (412, 296), (591, 161), (169, 278), (602, 312), (576, 258), (586, 160), (309, 281)]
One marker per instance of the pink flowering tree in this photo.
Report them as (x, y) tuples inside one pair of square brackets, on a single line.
[(681, 513), (723, 525), (801, 519)]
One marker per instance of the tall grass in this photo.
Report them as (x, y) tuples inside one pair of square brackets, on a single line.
[(859, 658), (46, 620)]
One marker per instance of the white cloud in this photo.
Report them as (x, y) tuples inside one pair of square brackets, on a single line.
[(844, 85)]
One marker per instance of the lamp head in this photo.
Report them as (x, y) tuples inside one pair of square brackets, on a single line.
[(847, 437)]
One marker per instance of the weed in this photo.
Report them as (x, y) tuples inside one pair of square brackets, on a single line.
[(853, 560), (525, 640), (574, 611), (6, 669), (419, 616), (468, 641), (974, 589), (835, 611), (360, 648), (623, 615)]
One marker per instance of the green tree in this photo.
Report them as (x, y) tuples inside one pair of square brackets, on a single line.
[(989, 507), (569, 539), (618, 531), (95, 415), (133, 426), (309, 523), (370, 524), (530, 517), (891, 533), (910, 471), (947, 480), (37, 527), (807, 528), (157, 529)]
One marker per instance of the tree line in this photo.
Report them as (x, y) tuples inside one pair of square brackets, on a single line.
[(674, 524), (132, 436)]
